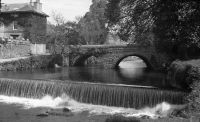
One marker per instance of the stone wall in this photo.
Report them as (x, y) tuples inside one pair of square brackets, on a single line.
[(34, 62), (38, 49), (14, 50)]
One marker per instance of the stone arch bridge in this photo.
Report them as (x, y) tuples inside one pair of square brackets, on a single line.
[(110, 56)]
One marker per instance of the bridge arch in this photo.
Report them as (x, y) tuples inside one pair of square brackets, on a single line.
[(145, 59), (80, 60), (111, 56)]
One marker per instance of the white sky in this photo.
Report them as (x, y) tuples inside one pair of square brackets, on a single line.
[(68, 8)]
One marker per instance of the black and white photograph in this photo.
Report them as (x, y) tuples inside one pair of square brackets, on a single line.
[(99, 60)]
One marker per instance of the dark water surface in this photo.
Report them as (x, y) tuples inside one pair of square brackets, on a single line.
[(129, 76)]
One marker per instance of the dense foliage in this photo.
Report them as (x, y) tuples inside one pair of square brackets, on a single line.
[(172, 26), (188, 72), (92, 25), (32, 26), (61, 34), (89, 29)]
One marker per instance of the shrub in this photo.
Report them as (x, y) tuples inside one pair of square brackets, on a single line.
[(193, 99), (187, 73)]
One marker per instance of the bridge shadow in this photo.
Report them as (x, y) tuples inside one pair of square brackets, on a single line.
[(80, 62)]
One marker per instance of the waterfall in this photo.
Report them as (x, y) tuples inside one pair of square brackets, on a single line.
[(98, 94)]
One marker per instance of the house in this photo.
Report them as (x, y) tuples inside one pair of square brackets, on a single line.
[(23, 21)]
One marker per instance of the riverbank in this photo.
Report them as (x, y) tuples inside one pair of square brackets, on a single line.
[(16, 113), (187, 73), (27, 63)]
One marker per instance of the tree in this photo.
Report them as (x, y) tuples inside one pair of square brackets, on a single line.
[(62, 33), (3, 44), (177, 25), (173, 26), (92, 25)]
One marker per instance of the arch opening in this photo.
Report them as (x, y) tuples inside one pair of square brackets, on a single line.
[(133, 67), (133, 61), (88, 60)]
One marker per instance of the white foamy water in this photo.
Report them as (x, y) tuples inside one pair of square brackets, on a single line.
[(161, 110)]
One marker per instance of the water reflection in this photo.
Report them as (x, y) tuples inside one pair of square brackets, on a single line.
[(138, 76), (131, 72), (132, 63)]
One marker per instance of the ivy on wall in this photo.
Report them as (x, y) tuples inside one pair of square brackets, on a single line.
[(34, 25)]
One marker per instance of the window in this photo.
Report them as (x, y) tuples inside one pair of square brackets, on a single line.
[(15, 25), (14, 36)]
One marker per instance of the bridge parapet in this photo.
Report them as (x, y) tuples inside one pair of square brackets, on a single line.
[(109, 48)]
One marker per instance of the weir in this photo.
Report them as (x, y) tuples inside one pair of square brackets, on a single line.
[(98, 94)]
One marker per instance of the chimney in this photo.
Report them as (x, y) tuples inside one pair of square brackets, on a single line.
[(37, 6)]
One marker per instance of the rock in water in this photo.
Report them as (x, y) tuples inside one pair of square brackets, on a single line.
[(45, 114), (66, 110), (61, 112), (145, 117)]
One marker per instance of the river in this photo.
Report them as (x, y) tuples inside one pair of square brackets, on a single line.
[(112, 91), (130, 74)]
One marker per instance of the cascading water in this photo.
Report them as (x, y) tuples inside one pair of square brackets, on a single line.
[(99, 94)]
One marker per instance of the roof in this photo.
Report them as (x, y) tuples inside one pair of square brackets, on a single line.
[(20, 7)]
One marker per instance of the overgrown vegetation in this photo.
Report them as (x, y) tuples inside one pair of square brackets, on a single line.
[(193, 78), (173, 27), (187, 74), (32, 25)]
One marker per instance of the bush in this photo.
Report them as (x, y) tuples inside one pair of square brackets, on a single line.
[(182, 72), (193, 99), (187, 73)]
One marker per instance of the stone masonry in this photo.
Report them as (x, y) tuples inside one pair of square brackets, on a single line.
[(111, 56)]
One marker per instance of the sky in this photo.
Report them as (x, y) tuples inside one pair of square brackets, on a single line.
[(69, 9)]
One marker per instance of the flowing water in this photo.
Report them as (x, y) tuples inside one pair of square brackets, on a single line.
[(94, 89), (99, 94)]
